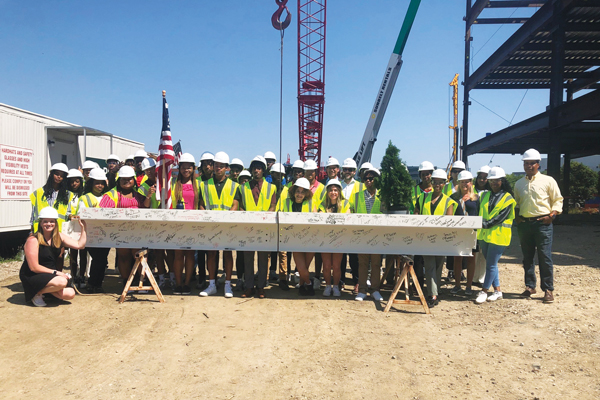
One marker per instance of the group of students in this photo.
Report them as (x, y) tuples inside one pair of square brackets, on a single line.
[(221, 184)]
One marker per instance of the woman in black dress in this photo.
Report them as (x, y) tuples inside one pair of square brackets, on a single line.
[(38, 273)]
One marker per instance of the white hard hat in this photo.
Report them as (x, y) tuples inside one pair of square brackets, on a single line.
[(349, 163), (439, 174), (187, 157), (126, 172), (140, 153), (245, 173), (459, 165), (375, 170), (130, 157), (88, 164), (332, 161), (303, 183), (310, 165), (237, 161), (496, 173), (259, 159), (277, 167), (531, 155), (333, 182), (60, 167), (148, 163), (484, 170), (465, 176), (98, 174), (74, 173), (113, 157), (298, 164), (426, 166), (48, 212), (221, 157), (366, 165), (271, 155), (207, 156)]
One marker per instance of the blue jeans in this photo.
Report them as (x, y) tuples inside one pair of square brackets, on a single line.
[(536, 236), (492, 254)]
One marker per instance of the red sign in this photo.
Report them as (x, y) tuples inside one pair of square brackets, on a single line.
[(16, 173)]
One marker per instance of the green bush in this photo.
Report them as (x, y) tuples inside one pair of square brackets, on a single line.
[(395, 182)]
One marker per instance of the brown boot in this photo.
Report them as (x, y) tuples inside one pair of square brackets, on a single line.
[(528, 292), (548, 297)]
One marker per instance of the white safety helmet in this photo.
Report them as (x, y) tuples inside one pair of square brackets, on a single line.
[(48, 212), (333, 182), (259, 159), (375, 170), (75, 173), (439, 174), (531, 155), (89, 164), (496, 173), (484, 170), (129, 157), (221, 157), (187, 157), (270, 155), (465, 176), (113, 157), (349, 163), (140, 153), (277, 167), (207, 156), (332, 162), (60, 167), (245, 173), (237, 161), (298, 164), (366, 165), (98, 174), (126, 172), (310, 165), (458, 165), (303, 183), (426, 166), (148, 163)]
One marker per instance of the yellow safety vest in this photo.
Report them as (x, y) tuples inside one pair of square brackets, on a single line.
[(39, 202), (113, 195), (144, 189), (319, 194), (212, 201), (344, 207), (425, 204), (89, 201), (282, 196), (448, 189), (267, 191), (173, 205), (358, 205), (499, 234), (307, 206)]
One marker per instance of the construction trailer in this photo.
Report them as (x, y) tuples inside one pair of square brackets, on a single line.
[(29, 144)]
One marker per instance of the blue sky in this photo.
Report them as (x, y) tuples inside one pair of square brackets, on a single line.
[(104, 64)]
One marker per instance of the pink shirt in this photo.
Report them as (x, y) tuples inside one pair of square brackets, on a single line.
[(187, 190), (137, 201)]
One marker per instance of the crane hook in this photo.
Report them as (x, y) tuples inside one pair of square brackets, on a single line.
[(276, 18)]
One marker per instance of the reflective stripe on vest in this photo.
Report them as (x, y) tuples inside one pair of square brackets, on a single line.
[(211, 197), (264, 198), (425, 204), (500, 234), (114, 196), (39, 202), (306, 206), (360, 206), (344, 207), (89, 201)]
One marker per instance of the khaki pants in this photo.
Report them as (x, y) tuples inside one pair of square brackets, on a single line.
[(364, 261), (283, 270)]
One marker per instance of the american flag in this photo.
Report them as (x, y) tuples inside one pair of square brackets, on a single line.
[(166, 158)]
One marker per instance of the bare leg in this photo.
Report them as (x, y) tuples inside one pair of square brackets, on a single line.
[(211, 261), (327, 264), (228, 264), (457, 270), (160, 261), (189, 265), (470, 270), (303, 261), (336, 259), (178, 266), (125, 257)]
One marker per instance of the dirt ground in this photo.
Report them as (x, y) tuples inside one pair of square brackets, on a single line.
[(316, 348)]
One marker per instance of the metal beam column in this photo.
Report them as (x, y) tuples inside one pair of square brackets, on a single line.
[(556, 91), (566, 182), (466, 102)]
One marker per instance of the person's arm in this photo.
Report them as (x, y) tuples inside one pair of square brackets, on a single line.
[(32, 248), (450, 210), (238, 198), (148, 199), (498, 219), (76, 245), (235, 206)]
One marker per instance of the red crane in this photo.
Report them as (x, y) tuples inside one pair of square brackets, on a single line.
[(311, 77)]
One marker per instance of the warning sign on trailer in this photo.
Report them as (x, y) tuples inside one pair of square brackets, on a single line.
[(16, 173)]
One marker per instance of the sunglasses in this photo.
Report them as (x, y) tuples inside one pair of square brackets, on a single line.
[(348, 169), (369, 178)]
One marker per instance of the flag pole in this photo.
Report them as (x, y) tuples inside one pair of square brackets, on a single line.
[(163, 191)]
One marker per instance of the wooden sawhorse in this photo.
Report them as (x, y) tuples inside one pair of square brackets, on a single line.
[(140, 259), (407, 265)]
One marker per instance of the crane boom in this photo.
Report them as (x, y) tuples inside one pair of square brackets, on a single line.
[(386, 88)]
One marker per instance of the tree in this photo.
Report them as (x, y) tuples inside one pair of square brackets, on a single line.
[(396, 183), (583, 181), (512, 179)]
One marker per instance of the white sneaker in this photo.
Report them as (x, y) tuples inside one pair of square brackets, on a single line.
[(336, 291), (496, 296), (38, 300), (228, 291), (209, 291), (481, 297), (368, 283), (327, 291), (360, 297), (377, 296)]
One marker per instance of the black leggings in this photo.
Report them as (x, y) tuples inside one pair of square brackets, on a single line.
[(99, 265)]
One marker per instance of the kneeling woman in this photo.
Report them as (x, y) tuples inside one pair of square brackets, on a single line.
[(42, 249), (299, 199), (334, 203)]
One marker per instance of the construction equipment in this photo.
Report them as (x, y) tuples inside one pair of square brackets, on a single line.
[(386, 88), (454, 127)]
